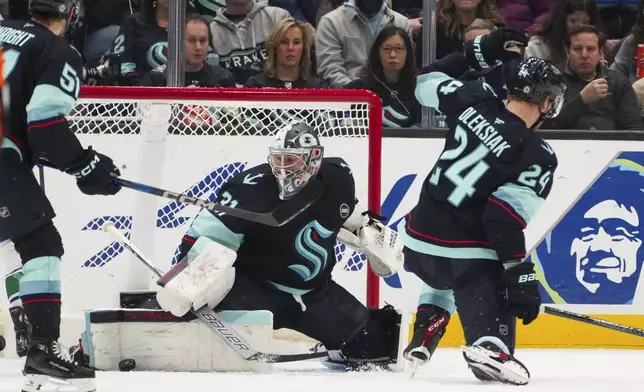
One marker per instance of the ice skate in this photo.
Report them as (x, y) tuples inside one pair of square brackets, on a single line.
[(22, 329), (50, 367), (428, 331), (488, 362)]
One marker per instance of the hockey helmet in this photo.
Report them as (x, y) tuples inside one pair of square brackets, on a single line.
[(295, 157), (535, 80), (65, 9)]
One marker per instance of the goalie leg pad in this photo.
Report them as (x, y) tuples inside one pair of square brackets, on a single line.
[(203, 277)]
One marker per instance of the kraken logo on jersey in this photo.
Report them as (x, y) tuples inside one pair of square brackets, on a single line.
[(306, 247), (253, 58), (158, 55)]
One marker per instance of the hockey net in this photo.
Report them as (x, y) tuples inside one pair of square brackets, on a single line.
[(195, 140)]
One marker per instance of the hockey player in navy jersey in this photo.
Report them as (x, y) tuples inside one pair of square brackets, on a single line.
[(43, 74), (287, 269), (465, 238)]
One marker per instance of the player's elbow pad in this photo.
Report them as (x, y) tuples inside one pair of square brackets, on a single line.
[(53, 141), (504, 232)]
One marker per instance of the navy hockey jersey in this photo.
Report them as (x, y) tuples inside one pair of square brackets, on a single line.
[(43, 75), (296, 257), (487, 184)]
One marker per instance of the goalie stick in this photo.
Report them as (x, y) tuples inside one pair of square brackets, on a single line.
[(210, 318), (594, 321), (278, 217)]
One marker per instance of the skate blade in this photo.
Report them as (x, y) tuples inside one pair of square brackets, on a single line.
[(415, 363), (417, 357), (40, 383), (509, 372)]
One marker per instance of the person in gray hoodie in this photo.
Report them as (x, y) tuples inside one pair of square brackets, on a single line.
[(345, 35), (239, 34)]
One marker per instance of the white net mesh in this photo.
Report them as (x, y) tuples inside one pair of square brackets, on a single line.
[(242, 118)]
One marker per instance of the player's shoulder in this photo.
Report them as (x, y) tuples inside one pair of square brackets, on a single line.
[(256, 176), (539, 151), (336, 165)]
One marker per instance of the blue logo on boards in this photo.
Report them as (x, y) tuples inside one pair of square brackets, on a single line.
[(594, 254)]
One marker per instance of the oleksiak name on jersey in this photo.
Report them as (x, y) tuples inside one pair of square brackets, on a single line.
[(487, 184)]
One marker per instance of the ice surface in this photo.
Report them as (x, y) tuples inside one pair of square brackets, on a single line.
[(552, 371)]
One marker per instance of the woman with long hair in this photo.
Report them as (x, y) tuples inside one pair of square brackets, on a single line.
[(288, 65), (626, 58), (549, 42), (452, 18), (389, 73)]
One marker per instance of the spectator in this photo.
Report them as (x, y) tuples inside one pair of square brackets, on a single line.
[(19, 10), (209, 8), (198, 72), (239, 35), (345, 34), (626, 57), (638, 87), (494, 76), (302, 10), (389, 73), (142, 42), (324, 7), (452, 18), (617, 16), (289, 58), (104, 18), (524, 14), (413, 10), (596, 98), (549, 42)]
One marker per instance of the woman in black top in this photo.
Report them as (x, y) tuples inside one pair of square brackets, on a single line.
[(288, 65), (390, 74)]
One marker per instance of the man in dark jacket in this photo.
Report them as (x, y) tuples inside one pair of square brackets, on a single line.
[(103, 19), (198, 72), (596, 98)]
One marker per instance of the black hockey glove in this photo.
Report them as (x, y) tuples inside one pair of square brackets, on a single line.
[(93, 174), (522, 290), (498, 47)]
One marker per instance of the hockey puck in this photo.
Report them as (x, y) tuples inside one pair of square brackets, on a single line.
[(3, 343), (127, 365)]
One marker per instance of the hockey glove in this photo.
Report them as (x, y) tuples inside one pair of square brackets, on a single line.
[(93, 173), (522, 290), (498, 47)]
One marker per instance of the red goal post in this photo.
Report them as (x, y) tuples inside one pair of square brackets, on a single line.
[(222, 113)]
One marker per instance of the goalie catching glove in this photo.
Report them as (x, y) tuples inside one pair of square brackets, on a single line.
[(363, 231), (203, 277)]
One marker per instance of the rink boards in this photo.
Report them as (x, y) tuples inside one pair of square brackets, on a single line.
[(586, 240)]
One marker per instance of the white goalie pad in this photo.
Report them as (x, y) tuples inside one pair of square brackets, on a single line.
[(203, 277), (158, 341), (379, 242)]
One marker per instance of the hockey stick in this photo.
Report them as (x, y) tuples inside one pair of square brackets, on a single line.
[(591, 320), (224, 331), (278, 217)]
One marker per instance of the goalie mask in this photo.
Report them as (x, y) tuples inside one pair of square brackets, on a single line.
[(295, 158)]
